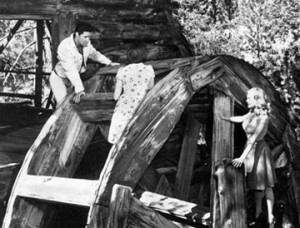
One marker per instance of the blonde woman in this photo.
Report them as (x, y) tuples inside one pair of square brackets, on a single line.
[(256, 155)]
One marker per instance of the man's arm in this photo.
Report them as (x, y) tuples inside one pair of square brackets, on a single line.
[(98, 57)]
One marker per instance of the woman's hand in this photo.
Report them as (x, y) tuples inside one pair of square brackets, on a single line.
[(223, 118), (237, 162)]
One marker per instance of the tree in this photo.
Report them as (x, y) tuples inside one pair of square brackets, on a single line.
[(19, 54), (260, 32)]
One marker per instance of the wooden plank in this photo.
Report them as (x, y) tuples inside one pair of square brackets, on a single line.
[(152, 125), (39, 70), (241, 76), (142, 215), (232, 195), (57, 189), (159, 66), (8, 173), (292, 145), (178, 208), (130, 2), (163, 187), (187, 158), (57, 151), (95, 107), (119, 206), (222, 147), (29, 7)]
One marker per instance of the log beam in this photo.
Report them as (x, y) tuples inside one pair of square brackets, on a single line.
[(151, 126), (119, 206), (57, 151), (231, 191), (190, 212), (95, 107), (71, 191), (187, 158), (292, 146), (224, 214)]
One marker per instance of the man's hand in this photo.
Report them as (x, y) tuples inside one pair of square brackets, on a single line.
[(78, 96)]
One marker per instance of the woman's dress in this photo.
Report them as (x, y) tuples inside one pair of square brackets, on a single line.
[(259, 162), (135, 83)]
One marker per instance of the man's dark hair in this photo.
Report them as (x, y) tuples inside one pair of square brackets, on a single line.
[(137, 52), (82, 27)]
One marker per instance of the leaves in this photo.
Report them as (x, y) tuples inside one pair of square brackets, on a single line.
[(264, 33), (20, 55)]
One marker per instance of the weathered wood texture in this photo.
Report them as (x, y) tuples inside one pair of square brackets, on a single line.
[(8, 173), (119, 23), (175, 208), (119, 206), (241, 76), (144, 136), (222, 147), (230, 187), (151, 126), (95, 107), (99, 107), (62, 26), (134, 2), (29, 7), (145, 217), (292, 146), (187, 158), (57, 151)]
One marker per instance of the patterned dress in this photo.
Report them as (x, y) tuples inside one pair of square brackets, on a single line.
[(258, 163), (135, 80)]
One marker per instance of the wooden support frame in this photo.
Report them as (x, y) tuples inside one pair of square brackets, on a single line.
[(39, 70), (187, 158), (11, 34), (224, 213), (125, 210), (37, 97)]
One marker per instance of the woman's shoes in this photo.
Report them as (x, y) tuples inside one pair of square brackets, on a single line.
[(272, 223), (259, 221)]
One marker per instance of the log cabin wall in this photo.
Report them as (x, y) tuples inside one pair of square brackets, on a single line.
[(119, 21)]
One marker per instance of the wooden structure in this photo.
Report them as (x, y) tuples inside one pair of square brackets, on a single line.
[(181, 83), (57, 151)]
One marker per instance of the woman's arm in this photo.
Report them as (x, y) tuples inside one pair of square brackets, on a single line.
[(234, 119), (118, 89)]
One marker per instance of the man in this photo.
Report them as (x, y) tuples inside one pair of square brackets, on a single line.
[(72, 54)]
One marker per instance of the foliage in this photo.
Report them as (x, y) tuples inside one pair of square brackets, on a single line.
[(19, 55), (264, 33)]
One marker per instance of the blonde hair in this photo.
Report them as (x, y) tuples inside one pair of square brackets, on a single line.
[(262, 104)]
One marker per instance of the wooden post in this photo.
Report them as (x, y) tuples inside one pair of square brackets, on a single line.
[(290, 142), (151, 126), (230, 187), (39, 63), (119, 206), (175, 208), (57, 151), (63, 26), (142, 216), (187, 158), (223, 148)]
